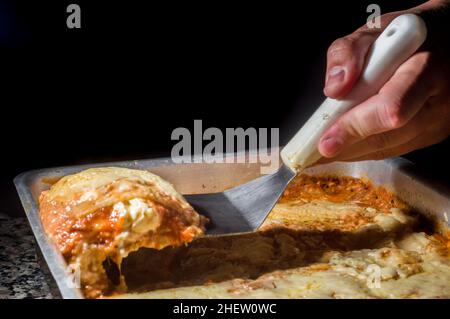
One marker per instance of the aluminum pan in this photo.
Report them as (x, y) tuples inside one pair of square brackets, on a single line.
[(398, 175)]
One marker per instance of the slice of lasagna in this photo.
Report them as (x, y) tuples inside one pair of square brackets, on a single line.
[(100, 215)]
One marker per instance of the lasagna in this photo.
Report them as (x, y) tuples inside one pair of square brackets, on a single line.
[(327, 237), (100, 215)]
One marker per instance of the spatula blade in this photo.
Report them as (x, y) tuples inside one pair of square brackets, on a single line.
[(243, 208)]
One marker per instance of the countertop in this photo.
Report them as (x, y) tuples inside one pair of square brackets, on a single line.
[(20, 274)]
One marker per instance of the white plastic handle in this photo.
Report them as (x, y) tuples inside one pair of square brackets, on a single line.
[(401, 38)]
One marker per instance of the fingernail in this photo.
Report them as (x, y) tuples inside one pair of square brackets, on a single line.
[(331, 146), (335, 76)]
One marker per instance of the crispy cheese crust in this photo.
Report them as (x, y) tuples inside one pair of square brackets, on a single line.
[(102, 214)]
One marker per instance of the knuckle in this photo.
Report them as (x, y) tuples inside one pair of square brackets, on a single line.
[(345, 126), (354, 127), (392, 115), (340, 46), (356, 130), (357, 125)]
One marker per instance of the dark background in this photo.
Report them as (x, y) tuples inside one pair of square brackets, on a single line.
[(116, 88)]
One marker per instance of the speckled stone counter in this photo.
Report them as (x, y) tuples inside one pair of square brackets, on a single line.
[(20, 274)]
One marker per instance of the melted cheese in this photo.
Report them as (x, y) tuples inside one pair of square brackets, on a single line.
[(87, 181), (376, 273), (302, 262), (327, 215), (139, 216)]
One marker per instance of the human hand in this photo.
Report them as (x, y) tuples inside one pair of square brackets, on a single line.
[(411, 111)]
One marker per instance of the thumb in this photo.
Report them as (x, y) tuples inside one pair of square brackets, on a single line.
[(345, 60)]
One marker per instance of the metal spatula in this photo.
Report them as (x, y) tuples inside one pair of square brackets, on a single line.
[(244, 208)]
